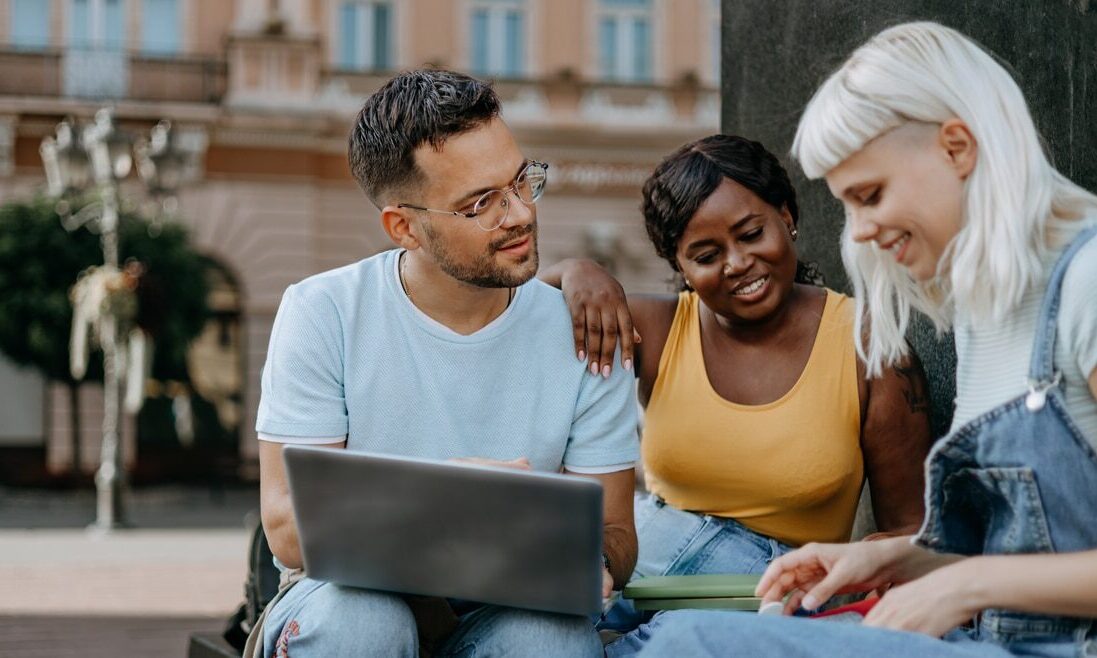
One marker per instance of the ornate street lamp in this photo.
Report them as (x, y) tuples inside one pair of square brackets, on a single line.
[(65, 160), (92, 167), (163, 167), (160, 163)]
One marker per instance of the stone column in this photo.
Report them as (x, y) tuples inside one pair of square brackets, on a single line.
[(774, 55)]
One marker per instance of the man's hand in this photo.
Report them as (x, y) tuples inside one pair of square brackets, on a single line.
[(521, 464), (607, 583)]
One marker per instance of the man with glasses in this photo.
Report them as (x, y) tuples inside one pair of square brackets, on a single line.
[(446, 348)]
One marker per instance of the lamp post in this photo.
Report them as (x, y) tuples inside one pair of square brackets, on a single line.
[(94, 165)]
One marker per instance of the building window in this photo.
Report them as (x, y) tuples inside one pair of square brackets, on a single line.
[(365, 35), (625, 40), (160, 27), (97, 24), (30, 24), (498, 43)]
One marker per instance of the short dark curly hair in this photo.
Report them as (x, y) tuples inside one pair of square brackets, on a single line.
[(425, 106), (686, 178)]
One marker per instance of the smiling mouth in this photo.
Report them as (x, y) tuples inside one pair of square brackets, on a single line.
[(518, 241), (897, 246), (752, 287)]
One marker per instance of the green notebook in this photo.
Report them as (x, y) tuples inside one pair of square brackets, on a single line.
[(714, 592), (722, 586)]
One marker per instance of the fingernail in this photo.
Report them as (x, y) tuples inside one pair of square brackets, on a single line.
[(582, 355), (594, 368), (605, 372), (628, 364), (773, 608), (809, 603)]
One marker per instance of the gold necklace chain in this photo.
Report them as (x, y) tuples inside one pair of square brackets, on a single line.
[(407, 293)]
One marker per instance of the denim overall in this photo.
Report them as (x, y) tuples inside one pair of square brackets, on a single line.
[(1021, 478)]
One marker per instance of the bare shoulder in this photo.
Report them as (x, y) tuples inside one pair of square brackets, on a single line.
[(652, 316), (846, 309)]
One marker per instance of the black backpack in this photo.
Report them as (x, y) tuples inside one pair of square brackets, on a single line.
[(260, 587)]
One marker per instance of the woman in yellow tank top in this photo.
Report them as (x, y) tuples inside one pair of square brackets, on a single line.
[(760, 426)]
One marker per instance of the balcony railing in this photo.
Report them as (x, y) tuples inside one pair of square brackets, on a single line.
[(30, 73), (685, 103), (104, 75), (94, 73), (190, 80)]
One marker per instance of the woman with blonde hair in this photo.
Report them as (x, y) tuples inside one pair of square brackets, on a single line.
[(954, 210)]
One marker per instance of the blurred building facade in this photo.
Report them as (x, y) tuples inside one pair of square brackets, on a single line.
[(264, 93)]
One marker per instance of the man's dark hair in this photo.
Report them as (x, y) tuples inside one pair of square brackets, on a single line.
[(686, 178), (426, 106)]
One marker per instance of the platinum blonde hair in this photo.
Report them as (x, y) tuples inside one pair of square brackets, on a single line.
[(929, 73)]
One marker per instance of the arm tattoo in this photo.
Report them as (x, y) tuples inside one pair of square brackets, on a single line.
[(914, 389)]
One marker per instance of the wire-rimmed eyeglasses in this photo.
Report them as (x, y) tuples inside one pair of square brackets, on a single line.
[(492, 208)]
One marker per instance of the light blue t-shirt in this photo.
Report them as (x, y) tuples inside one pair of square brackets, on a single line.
[(351, 355)]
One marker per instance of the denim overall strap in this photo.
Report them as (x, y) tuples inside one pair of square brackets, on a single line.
[(1019, 479), (1042, 374)]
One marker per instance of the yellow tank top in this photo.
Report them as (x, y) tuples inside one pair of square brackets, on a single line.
[(791, 469)]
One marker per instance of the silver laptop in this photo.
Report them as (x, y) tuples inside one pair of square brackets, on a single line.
[(477, 533)]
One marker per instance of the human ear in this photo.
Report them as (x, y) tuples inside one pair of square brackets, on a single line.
[(786, 217), (955, 138), (681, 272), (397, 223)]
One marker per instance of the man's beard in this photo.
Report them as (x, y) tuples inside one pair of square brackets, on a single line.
[(483, 271)]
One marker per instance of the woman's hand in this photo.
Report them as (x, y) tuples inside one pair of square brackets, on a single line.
[(933, 604), (816, 572), (600, 315)]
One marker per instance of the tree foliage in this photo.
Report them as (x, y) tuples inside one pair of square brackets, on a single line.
[(40, 261)]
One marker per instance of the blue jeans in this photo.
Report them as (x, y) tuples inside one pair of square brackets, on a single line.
[(321, 619), (695, 633), (675, 542)]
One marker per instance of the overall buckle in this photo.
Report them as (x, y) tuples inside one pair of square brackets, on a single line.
[(1037, 391)]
